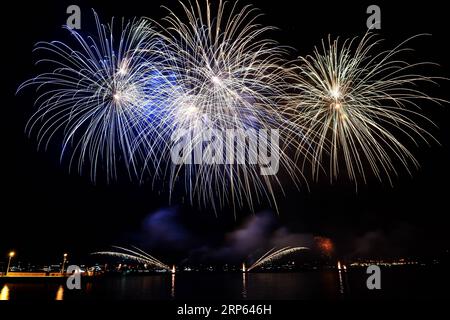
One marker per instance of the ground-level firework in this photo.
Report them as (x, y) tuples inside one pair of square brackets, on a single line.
[(136, 255), (272, 255)]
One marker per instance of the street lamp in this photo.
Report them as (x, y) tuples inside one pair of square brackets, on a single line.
[(11, 255), (64, 263)]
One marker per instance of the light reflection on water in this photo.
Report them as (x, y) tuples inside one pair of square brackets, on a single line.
[(4, 294), (172, 291), (60, 293)]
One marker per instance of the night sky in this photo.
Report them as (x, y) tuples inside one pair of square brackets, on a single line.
[(46, 210)]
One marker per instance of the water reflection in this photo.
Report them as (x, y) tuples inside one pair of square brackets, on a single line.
[(181, 286), (4, 294), (343, 282), (172, 291), (88, 287), (324, 284), (60, 293), (244, 285)]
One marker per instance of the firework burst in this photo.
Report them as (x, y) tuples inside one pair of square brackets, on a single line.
[(358, 106), (102, 92), (228, 77)]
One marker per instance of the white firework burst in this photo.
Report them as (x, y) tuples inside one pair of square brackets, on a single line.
[(100, 94), (229, 76), (360, 107)]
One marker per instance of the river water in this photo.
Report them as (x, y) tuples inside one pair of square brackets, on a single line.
[(396, 283)]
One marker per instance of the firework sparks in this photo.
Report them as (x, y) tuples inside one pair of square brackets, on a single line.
[(273, 255), (136, 255), (121, 100), (352, 102), (229, 77), (101, 93), (325, 245)]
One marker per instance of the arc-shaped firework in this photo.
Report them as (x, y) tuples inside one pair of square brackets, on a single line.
[(230, 76), (274, 254), (136, 255)]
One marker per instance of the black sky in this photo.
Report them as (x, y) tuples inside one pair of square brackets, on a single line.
[(45, 210)]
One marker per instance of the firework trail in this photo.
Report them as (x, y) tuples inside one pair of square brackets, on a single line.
[(356, 105), (273, 254), (102, 92), (135, 255), (228, 77)]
